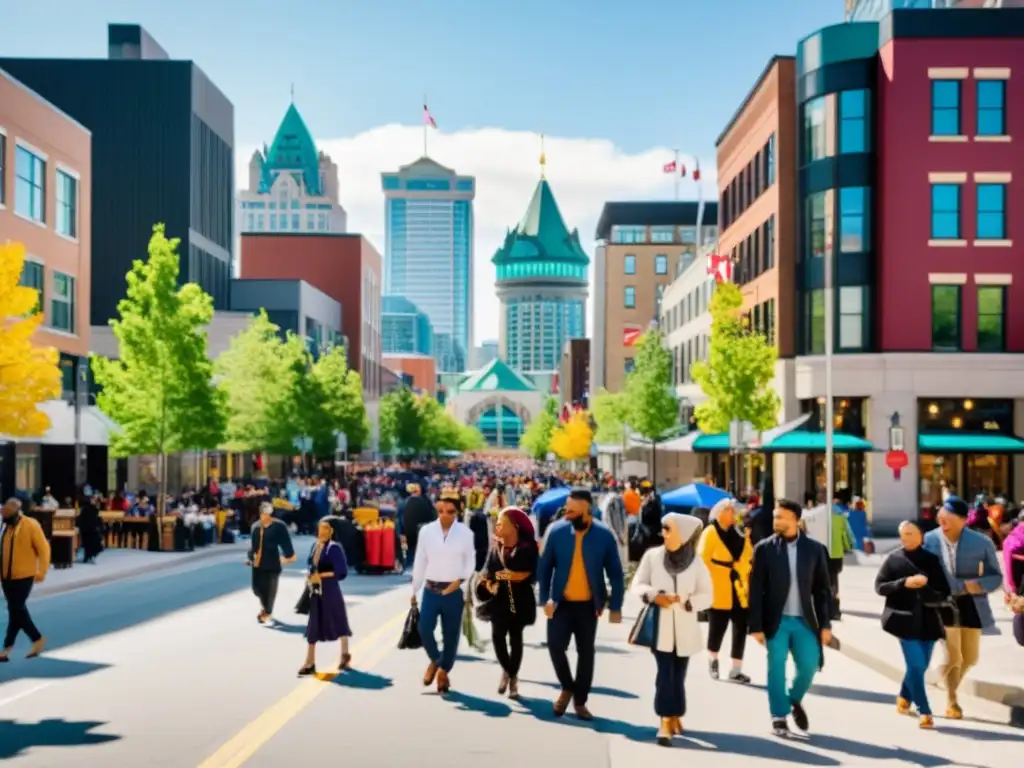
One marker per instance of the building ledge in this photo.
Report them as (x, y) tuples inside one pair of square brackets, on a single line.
[(993, 139), (947, 139), (993, 243), (947, 243)]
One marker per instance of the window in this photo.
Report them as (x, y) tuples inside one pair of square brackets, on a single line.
[(663, 234), (29, 185), (851, 317), (659, 295), (991, 107), (945, 211), (629, 264), (628, 364), (629, 300), (816, 224), (771, 160), (67, 204), (629, 234), (661, 264), (854, 236), (815, 130), (816, 322), (946, 318), (3, 169), (853, 122), (991, 318), (32, 275), (62, 304), (991, 211), (945, 107)]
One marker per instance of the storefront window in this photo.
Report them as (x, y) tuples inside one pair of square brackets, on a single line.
[(849, 474), (967, 415), (26, 468)]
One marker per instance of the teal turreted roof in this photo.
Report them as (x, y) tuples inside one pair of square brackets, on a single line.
[(541, 235), (496, 376), (293, 150)]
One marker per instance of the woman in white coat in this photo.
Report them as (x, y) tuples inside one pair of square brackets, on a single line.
[(673, 578)]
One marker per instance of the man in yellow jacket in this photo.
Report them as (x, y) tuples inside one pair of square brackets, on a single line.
[(24, 560)]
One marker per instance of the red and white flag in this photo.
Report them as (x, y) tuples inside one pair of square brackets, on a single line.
[(669, 167), (428, 119), (682, 171), (720, 267), (696, 169)]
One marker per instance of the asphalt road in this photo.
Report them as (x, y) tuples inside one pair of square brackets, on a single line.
[(172, 670)]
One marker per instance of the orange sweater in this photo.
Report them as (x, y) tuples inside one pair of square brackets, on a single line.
[(577, 587)]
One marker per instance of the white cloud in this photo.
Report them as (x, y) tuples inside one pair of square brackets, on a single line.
[(584, 174)]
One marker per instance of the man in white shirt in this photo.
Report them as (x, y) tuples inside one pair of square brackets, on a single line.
[(444, 563)]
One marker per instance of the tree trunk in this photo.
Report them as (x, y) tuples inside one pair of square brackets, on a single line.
[(161, 498)]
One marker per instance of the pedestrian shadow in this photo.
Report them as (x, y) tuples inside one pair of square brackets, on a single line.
[(46, 668), (17, 738), (868, 751), (487, 707), (366, 681), (467, 659), (711, 743), (852, 694), (597, 690), (979, 734), (288, 629), (608, 649), (871, 615)]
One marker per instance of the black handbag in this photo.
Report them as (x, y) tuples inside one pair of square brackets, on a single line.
[(410, 639), (302, 607), (644, 633)]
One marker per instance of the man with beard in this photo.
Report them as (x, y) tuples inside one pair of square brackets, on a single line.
[(416, 511), (579, 552), (790, 607)]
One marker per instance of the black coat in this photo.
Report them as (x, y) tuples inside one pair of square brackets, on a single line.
[(912, 614), (769, 585), (519, 593), (416, 511)]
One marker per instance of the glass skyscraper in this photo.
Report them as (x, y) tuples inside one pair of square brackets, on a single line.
[(428, 255), (542, 284), (404, 329)]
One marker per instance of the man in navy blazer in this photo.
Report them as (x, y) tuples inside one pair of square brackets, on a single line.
[(578, 553)]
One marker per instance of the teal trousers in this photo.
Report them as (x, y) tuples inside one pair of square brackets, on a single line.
[(794, 637)]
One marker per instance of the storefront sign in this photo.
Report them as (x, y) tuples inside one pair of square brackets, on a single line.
[(897, 461)]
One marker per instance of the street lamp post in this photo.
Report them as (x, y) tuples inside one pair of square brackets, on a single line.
[(829, 402), (81, 395)]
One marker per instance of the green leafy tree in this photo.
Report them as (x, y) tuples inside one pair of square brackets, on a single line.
[(651, 405), (404, 422), (536, 439), (260, 375), (161, 391), (738, 374), (340, 407), (609, 410), (387, 424)]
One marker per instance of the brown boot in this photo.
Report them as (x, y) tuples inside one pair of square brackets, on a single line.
[(37, 648), (677, 726), (583, 713), (430, 674), (665, 732), (443, 683), (562, 703)]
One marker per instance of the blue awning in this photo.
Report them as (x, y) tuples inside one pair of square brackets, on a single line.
[(954, 441), (803, 441)]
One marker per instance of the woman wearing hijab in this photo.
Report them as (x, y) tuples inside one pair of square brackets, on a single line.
[(728, 555), (507, 588), (328, 619), (673, 578), (914, 586)]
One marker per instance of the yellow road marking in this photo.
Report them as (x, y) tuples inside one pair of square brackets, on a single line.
[(254, 736)]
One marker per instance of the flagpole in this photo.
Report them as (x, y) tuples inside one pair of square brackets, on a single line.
[(675, 172), (425, 126)]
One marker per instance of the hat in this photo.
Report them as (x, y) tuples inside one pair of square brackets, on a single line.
[(452, 496), (521, 521), (956, 505), (412, 488)]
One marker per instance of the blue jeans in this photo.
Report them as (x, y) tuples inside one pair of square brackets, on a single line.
[(447, 608), (794, 636), (918, 655), (670, 684)]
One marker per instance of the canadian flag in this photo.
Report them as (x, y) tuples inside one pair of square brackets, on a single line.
[(696, 169), (720, 267), (669, 167)]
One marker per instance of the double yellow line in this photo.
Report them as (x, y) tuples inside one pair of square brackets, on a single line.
[(254, 736)]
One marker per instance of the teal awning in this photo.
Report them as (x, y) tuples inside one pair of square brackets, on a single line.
[(954, 441), (711, 443), (802, 441)]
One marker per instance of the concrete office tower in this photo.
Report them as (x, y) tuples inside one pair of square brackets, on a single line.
[(428, 253), (542, 284), (292, 186)]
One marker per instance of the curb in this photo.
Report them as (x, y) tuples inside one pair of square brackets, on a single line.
[(1008, 697), (141, 570)]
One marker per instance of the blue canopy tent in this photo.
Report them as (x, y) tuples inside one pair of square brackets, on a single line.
[(693, 495)]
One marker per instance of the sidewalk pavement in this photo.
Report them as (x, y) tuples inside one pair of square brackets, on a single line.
[(998, 677), (117, 564)]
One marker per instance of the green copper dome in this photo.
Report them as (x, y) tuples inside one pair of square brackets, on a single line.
[(293, 150), (541, 238)]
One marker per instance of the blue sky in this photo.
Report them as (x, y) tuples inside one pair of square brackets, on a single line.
[(614, 84)]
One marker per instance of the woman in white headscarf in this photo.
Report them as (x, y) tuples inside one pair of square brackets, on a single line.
[(675, 580)]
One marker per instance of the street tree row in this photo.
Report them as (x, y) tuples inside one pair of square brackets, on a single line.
[(414, 424)]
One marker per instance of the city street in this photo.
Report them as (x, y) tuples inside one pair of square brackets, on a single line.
[(173, 670)]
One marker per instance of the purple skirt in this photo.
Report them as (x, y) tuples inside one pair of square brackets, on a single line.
[(328, 619)]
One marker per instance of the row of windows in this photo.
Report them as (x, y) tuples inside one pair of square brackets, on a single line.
[(854, 215), (685, 355), (660, 264), (282, 222), (947, 108), (688, 308), (756, 254), (636, 234), (62, 296), (761, 319), (990, 212), (836, 123), (260, 205), (850, 315), (749, 184), (30, 187), (947, 315)]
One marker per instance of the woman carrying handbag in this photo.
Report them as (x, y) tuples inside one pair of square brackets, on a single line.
[(674, 584)]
